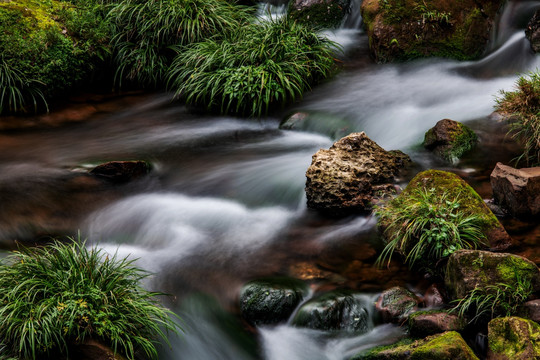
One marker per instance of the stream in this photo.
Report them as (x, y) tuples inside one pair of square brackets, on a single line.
[(225, 200)]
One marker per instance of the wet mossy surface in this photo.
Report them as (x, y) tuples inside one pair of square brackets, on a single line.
[(321, 14), (447, 346), (513, 338)]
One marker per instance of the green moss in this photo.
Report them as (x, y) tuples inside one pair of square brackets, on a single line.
[(447, 346), (514, 338), (470, 201), (512, 268)]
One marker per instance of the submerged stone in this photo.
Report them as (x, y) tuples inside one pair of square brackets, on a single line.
[(513, 338), (317, 122), (468, 269), (319, 13), (395, 304), (336, 310), (446, 346), (347, 177), (121, 171), (270, 301), (450, 139)]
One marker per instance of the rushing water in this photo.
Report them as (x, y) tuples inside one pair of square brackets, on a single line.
[(225, 200)]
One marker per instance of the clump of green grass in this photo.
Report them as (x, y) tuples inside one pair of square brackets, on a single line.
[(426, 227), (17, 92), (145, 31), (491, 301), (523, 108), (253, 68), (55, 296)]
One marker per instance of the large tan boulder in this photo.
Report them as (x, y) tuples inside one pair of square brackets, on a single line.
[(345, 178)]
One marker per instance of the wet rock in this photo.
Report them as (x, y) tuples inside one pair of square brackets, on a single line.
[(531, 310), (407, 29), (470, 203), (121, 171), (270, 301), (533, 31), (518, 190), (319, 13), (317, 122), (513, 338), (434, 298), (336, 310), (446, 346), (395, 304), (345, 178), (450, 139), (425, 323), (468, 269)]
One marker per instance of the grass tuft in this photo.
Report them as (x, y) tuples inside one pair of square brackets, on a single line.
[(59, 295), (426, 227), (145, 31), (522, 106), (250, 70), (18, 94)]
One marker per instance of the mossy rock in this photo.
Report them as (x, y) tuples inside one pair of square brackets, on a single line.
[(425, 323), (450, 139), (446, 346), (513, 338), (337, 310), (469, 269), (470, 203), (270, 300), (395, 304), (408, 29), (325, 14)]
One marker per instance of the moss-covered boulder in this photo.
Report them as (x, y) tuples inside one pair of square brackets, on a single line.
[(407, 29), (450, 139), (468, 269), (347, 177), (271, 300), (470, 203), (395, 304), (425, 323), (319, 13), (446, 346), (513, 338), (336, 310), (47, 48)]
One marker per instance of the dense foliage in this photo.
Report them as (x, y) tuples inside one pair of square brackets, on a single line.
[(253, 68), (523, 108), (427, 226), (145, 31), (58, 295), (47, 48)]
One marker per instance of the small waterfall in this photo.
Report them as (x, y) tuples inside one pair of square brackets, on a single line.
[(353, 19), (271, 10)]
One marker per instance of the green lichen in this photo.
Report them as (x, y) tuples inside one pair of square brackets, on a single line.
[(512, 268)]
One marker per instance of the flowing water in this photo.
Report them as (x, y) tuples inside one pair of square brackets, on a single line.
[(225, 200)]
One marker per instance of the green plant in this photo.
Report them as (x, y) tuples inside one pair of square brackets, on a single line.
[(491, 301), (145, 31), (17, 92), (253, 68), (426, 227), (523, 108), (61, 294), (432, 15)]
